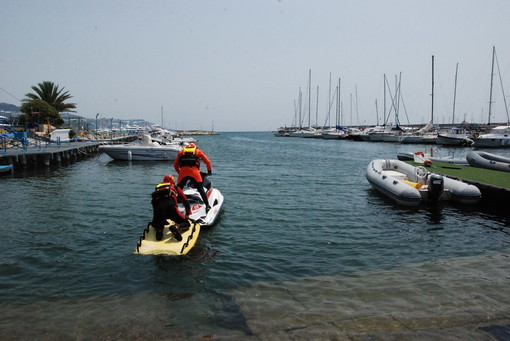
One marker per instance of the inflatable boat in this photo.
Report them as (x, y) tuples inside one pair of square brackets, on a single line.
[(409, 185), (489, 161), (420, 157)]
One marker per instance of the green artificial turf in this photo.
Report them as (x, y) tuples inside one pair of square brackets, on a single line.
[(474, 174)]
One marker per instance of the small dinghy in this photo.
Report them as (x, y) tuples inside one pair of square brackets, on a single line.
[(489, 161), (169, 245), (5, 169), (409, 185), (420, 157)]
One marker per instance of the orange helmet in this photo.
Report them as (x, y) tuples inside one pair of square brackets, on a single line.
[(169, 178)]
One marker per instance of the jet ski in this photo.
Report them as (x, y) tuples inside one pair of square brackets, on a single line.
[(198, 207)]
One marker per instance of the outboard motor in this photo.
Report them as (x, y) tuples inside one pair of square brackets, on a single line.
[(436, 186)]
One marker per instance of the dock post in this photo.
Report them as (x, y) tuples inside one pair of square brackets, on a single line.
[(46, 160), (23, 160)]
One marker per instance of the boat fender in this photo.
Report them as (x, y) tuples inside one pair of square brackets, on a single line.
[(129, 155), (436, 186)]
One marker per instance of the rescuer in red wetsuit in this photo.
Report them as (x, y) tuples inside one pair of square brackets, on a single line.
[(164, 204), (187, 165)]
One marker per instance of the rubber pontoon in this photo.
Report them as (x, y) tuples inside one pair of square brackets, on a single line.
[(409, 185), (489, 161)]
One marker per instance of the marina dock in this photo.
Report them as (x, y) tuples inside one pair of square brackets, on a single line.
[(494, 185), (46, 154)]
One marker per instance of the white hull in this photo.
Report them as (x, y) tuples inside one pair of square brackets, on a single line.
[(389, 138), (198, 211), (389, 176), (498, 137), (140, 153), (334, 135), (446, 140), (408, 156), (454, 137), (418, 139)]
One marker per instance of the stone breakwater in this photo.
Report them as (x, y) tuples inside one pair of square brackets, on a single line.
[(198, 132)]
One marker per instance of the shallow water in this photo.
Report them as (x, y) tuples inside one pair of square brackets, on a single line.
[(302, 237)]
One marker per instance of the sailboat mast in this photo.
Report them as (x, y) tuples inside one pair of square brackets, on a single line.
[(351, 111), (340, 113), (162, 125), (384, 113), (329, 102), (357, 112), (455, 93), (338, 108), (300, 103), (376, 112), (309, 95), (432, 106), (317, 108), (492, 78), (502, 90)]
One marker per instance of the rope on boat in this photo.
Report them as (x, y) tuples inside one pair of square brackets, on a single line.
[(145, 231)]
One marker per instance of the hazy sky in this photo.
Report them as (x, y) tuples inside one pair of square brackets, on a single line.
[(239, 64)]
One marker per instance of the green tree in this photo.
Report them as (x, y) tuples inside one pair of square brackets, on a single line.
[(40, 112), (51, 94)]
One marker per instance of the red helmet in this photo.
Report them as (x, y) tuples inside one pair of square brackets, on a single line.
[(169, 178)]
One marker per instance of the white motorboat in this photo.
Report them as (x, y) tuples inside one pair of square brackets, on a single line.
[(454, 137), (198, 208), (489, 161), (143, 150), (164, 137), (497, 137), (409, 185)]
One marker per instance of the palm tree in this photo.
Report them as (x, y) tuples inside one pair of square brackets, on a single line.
[(51, 94)]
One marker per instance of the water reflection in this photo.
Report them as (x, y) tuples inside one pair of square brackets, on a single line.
[(435, 215)]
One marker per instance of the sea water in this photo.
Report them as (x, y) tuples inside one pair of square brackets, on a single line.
[(304, 248)]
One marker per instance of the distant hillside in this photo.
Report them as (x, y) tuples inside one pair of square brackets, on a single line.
[(8, 107)]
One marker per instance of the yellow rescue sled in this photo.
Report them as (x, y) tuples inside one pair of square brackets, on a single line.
[(148, 245)]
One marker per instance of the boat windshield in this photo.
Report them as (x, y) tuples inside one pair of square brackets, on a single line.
[(500, 130)]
